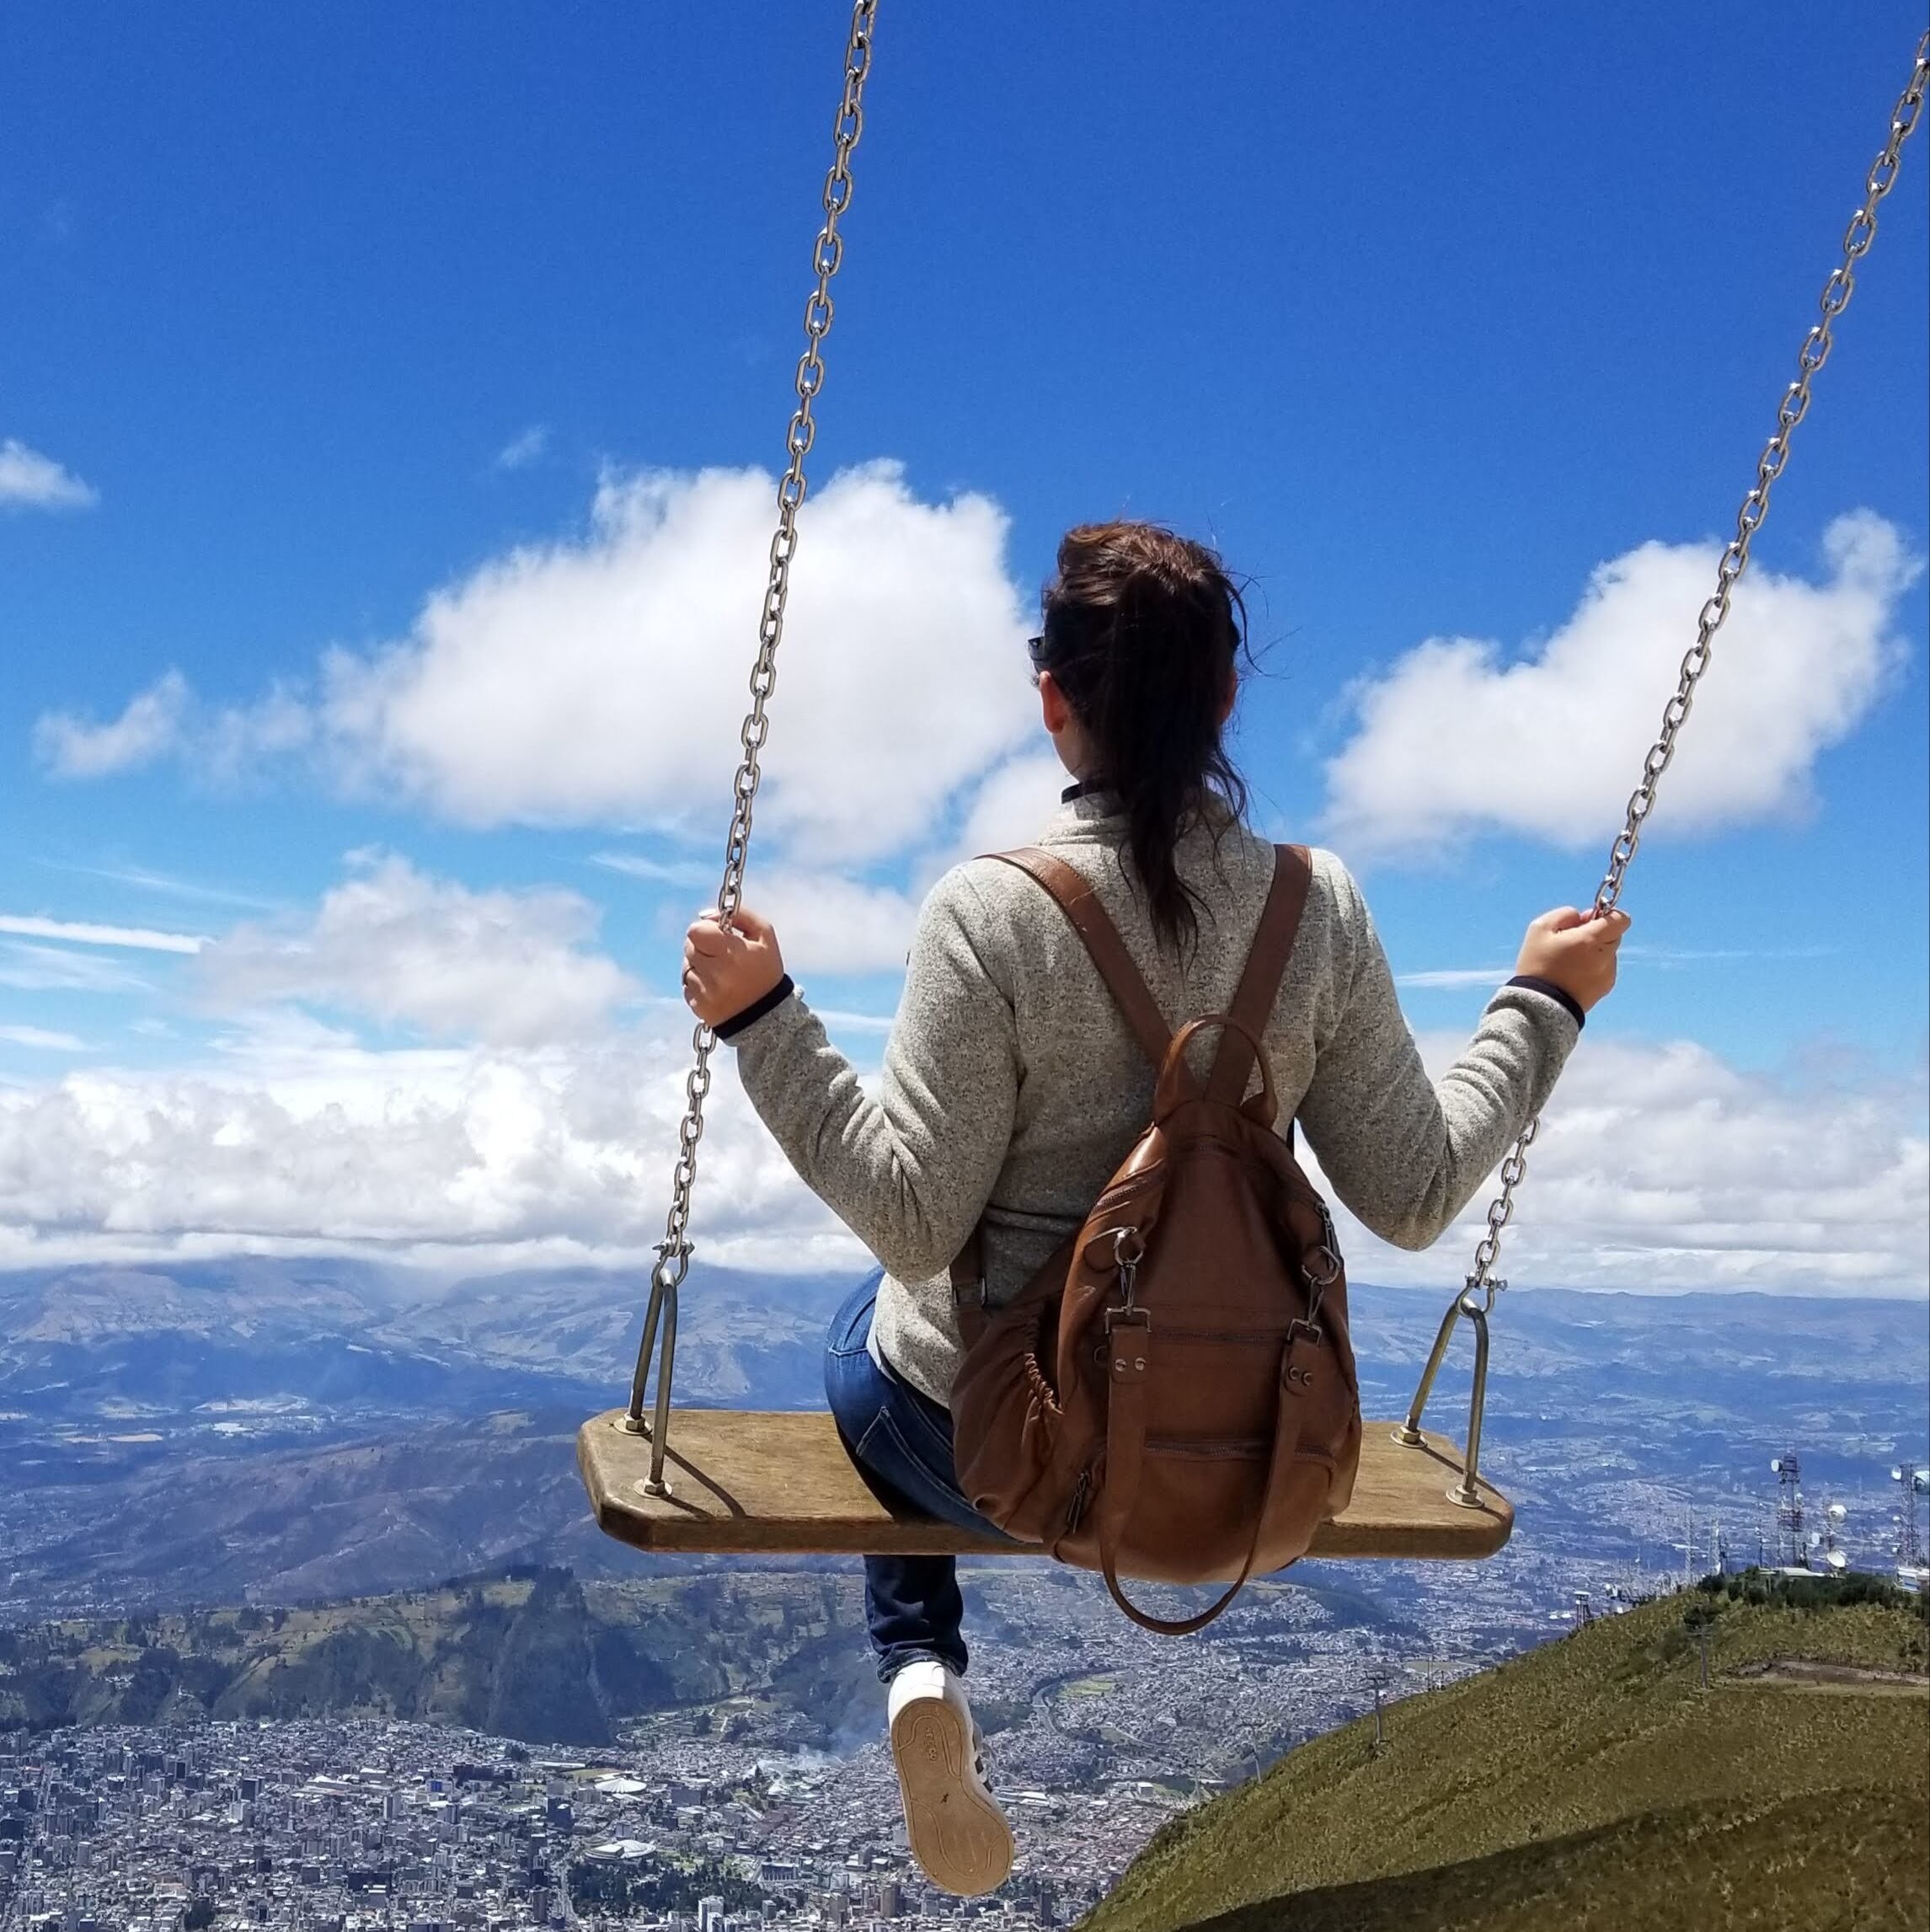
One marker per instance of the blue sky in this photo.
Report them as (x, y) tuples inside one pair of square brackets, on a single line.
[(1422, 316)]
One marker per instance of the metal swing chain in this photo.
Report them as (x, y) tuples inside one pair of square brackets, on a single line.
[(1481, 1281), (673, 1251)]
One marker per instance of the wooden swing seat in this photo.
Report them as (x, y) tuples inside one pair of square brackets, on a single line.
[(780, 1484)]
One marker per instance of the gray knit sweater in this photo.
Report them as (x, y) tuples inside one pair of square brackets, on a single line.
[(1012, 1087)]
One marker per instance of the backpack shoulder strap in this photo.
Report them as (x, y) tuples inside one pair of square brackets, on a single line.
[(1259, 982), (1081, 905)]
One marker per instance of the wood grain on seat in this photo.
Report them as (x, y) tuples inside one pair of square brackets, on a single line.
[(769, 1483)]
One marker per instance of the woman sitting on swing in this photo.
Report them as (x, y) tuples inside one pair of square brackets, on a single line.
[(1012, 1086)]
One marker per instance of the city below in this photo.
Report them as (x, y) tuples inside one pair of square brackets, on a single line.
[(230, 1696)]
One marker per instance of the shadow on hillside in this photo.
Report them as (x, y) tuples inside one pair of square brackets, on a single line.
[(1842, 1859)]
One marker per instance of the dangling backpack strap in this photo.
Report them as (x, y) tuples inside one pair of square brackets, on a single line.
[(1260, 981), (1081, 905), (1129, 1355)]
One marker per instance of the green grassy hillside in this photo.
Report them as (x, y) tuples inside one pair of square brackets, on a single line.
[(536, 1656), (1592, 1784)]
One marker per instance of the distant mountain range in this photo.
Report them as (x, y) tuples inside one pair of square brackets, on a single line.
[(276, 1430), (313, 1428), (228, 1328)]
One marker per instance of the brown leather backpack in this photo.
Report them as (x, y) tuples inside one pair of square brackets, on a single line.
[(1172, 1394)]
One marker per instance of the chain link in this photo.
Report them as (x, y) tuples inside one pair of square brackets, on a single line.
[(827, 254), (1793, 407)]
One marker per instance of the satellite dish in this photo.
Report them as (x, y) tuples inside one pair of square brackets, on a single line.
[(1895, 1475), (1837, 1560), (1776, 1469), (1838, 1512)]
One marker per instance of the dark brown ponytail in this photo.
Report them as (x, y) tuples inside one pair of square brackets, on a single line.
[(1142, 631)]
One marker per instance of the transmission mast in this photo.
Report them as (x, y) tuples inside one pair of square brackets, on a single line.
[(1792, 1552), (1911, 1567)]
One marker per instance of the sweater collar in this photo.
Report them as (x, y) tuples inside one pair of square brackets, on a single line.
[(1086, 814), (1089, 811), (1085, 788)]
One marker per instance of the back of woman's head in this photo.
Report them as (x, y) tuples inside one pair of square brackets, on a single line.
[(1142, 631)]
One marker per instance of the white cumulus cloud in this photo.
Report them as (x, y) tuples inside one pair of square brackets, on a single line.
[(1009, 808), (829, 921), (1657, 1167), (31, 481), (602, 681), (294, 1135), (1663, 1167), (393, 944), (826, 922), (1455, 739)]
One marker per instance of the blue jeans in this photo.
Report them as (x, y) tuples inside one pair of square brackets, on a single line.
[(902, 1442)]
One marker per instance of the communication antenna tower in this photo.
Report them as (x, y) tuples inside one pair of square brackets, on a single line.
[(1792, 1552), (1911, 1567), (1823, 1546)]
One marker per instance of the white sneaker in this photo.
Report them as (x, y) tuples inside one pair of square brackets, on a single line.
[(958, 1834)]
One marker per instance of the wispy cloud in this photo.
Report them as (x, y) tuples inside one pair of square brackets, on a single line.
[(1722, 955), (56, 969), (521, 450), (165, 883), (684, 872), (81, 932), (31, 481), (41, 1037), (855, 1022), (1668, 958), (74, 748)]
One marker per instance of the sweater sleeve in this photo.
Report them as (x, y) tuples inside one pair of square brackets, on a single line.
[(1405, 1153), (909, 1173)]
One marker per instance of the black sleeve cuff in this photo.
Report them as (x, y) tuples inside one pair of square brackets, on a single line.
[(1553, 992), (730, 1028)]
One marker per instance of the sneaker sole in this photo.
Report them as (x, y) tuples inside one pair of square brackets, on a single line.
[(960, 1837)]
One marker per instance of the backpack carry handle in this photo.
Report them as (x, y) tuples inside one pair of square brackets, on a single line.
[(1176, 1082)]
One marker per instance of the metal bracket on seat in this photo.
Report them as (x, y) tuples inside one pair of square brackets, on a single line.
[(672, 1265), (1466, 1492)]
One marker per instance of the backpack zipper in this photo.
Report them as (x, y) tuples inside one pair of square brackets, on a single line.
[(1209, 1448), (1081, 1492), (1226, 1334)]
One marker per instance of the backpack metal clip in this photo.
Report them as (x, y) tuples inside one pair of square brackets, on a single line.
[(1129, 1249)]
